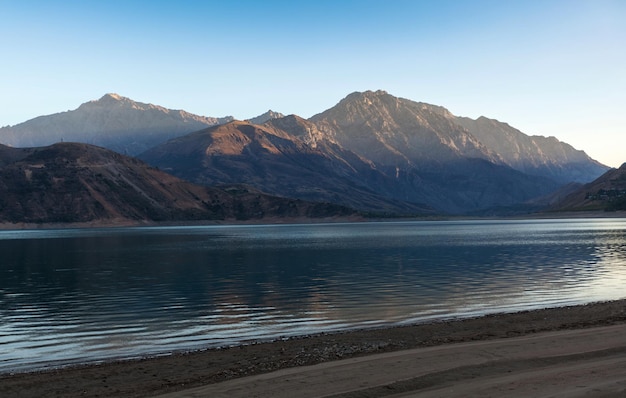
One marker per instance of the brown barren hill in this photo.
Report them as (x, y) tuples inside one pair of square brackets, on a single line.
[(70, 182), (608, 193)]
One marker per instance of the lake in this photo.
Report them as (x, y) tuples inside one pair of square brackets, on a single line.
[(88, 295)]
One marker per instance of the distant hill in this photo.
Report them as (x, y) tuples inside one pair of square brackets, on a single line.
[(113, 122), (69, 182), (608, 192)]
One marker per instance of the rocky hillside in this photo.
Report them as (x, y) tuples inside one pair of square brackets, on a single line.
[(608, 192), (536, 155), (70, 182), (291, 157), (398, 131), (395, 132), (267, 116), (113, 122), (276, 162)]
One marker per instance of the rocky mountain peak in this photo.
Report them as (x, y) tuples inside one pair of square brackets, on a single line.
[(365, 96), (382, 105), (112, 97), (113, 121), (113, 100), (267, 116), (397, 131), (373, 94)]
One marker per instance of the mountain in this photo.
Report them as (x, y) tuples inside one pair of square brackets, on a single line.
[(461, 165), (267, 116), (113, 122), (69, 182), (292, 157), (433, 159), (372, 151), (276, 162), (396, 132), (392, 129), (608, 192), (536, 155)]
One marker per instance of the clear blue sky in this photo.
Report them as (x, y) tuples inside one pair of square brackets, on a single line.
[(553, 68)]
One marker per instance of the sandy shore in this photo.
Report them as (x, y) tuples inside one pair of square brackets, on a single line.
[(567, 363), (572, 351)]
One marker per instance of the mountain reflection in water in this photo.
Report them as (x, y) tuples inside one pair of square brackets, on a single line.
[(83, 295)]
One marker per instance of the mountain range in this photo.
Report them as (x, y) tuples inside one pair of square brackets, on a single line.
[(372, 151), (373, 143)]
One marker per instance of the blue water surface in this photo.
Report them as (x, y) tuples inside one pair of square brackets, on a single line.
[(87, 295)]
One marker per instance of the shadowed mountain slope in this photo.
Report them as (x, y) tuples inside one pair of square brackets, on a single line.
[(302, 163), (267, 116), (608, 192), (70, 182), (276, 162), (535, 155)]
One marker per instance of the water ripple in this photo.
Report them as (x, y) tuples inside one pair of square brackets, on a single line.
[(73, 296)]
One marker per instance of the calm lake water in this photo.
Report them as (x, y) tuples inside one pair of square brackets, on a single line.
[(84, 295)]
